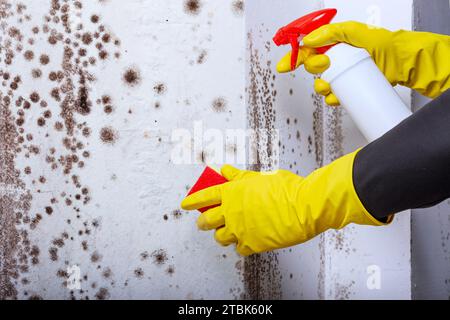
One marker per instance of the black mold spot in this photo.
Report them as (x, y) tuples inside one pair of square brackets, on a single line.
[(108, 135), (238, 7), (86, 132), (36, 73), (159, 256), (108, 109), (52, 39), (159, 88), (53, 251), (131, 77), (82, 102), (44, 59), (202, 56), (29, 55), (192, 7), (102, 294), (144, 255), (62, 273), (139, 273), (86, 38), (103, 55), (219, 104), (58, 126), (106, 99), (41, 122), (95, 257), (177, 213), (107, 273), (170, 270), (106, 38), (95, 18), (34, 97)]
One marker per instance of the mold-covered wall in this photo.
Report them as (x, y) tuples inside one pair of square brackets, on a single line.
[(110, 109), (357, 262), (97, 98)]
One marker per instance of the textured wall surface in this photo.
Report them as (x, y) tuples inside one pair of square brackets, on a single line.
[(91, 95)]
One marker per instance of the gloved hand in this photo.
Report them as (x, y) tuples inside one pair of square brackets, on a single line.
[(418, 60), (266, 211)]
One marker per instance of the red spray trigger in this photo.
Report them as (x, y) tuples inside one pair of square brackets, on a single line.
[(208, 178), (297, 29)]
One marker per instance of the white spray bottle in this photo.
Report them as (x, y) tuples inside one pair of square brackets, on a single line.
[(355, 79)]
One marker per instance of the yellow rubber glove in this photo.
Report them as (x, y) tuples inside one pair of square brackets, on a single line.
[(266, 211), (418, 60)]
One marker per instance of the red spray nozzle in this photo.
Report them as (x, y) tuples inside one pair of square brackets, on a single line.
[(208, 178), (297, 29)]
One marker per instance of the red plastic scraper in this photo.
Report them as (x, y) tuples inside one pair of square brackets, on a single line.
[(208, 178), (294, 32)]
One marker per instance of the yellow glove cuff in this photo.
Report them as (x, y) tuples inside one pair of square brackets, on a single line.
[(328, 196), (366, 218)]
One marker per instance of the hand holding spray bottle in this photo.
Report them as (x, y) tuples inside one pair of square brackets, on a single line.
[(354, 77)]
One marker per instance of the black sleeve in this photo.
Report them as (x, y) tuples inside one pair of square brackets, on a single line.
[(409, 166)]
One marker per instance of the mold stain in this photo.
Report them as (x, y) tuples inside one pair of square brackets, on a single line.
[(262, 278), (159, 256), (318, 133), (95, 18), (170, 270), (202, 57), (144, 255), (44, 59), (131, 77), (139, 273), (108, 135), (160, 88), (71, 101), (177, 214), (219, 104), (192, 7), (334, 133), (238, 7), (102, 294), (14, 206)]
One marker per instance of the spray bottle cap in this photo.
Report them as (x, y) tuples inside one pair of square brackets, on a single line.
[(293, 32)]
